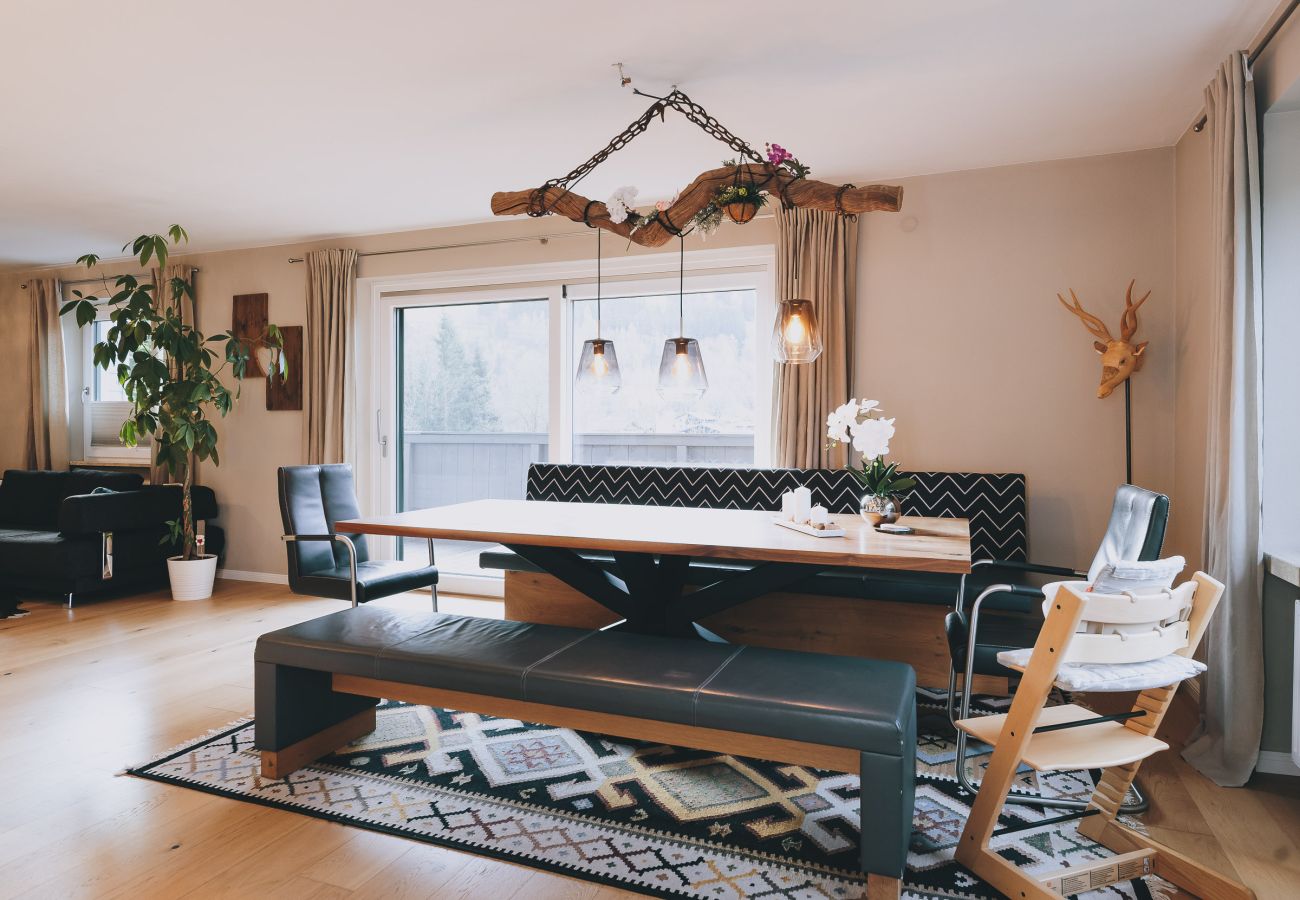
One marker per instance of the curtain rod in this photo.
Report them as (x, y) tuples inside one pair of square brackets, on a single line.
[(1253, 55), (101, 278), (543, 238)]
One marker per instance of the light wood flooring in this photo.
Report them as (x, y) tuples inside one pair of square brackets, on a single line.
[(85, 693)]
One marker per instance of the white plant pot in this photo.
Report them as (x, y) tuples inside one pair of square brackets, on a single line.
[(192, 579)]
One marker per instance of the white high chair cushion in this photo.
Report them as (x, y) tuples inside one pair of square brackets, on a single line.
[(1106, 677), (1138, 577)]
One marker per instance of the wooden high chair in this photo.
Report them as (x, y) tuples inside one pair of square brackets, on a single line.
[(1085, 628)]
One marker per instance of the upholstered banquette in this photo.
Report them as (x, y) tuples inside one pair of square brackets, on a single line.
[(994, 504), (872, 613)]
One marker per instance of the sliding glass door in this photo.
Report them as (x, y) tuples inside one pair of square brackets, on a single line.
[(473, 402), (639, 426), (467, 385)]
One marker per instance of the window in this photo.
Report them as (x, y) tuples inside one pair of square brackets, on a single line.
[(638, 426), (104, 404), (472, 382)]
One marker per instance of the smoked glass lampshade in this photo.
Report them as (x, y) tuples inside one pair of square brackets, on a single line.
[(681, 369), (795, 336), (598, 366)]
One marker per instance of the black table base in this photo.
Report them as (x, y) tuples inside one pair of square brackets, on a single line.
[(649, 592)]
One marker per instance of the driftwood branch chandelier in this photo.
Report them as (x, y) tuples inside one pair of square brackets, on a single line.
[(787, 182)]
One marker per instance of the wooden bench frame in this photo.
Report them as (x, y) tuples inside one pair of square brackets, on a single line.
[(282, 763)]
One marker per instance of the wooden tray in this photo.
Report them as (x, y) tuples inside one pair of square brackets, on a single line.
[(831, 530)]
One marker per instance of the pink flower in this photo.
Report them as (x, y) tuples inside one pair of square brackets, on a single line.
[(776, 154)]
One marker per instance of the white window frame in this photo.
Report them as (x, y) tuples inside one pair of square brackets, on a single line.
[(142, 454), (380, 297)]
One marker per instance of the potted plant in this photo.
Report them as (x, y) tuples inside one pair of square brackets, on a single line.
[(171, 375), (863, 425), (741, 201)]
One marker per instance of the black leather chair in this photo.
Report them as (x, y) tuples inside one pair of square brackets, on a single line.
[(1136, 531), (325, 564)]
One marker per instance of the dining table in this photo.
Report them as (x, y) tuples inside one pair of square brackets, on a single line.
[(634, 560)]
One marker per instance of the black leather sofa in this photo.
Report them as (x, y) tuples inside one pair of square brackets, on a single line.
[(59, 537), (994, 504)]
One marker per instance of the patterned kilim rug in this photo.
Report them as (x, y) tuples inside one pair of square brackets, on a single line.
[(660, 820)]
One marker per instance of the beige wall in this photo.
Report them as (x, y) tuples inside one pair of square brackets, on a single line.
[(961, 337), (960, 334)]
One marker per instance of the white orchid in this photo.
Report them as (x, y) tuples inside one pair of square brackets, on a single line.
[(858, 422), (861, 424), (871, 437), (840, 420), (620, 203)]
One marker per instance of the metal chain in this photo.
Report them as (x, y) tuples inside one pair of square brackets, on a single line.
[(676, 100)]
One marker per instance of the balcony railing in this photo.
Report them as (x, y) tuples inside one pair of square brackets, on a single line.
[(441, 468)]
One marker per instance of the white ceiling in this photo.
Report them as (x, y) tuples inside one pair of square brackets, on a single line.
[(278, 120)]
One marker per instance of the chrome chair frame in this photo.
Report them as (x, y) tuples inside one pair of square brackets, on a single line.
[(1139, 803), (352, 558)]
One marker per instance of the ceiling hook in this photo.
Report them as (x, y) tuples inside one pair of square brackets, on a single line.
[(623, 80)]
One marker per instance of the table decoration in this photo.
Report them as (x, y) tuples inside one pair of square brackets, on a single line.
[(863, 425)]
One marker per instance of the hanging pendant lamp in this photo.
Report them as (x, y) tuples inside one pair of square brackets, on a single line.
[(598, 365), (795, 336), (681, 369)]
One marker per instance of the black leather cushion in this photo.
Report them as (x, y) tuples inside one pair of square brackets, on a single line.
[(375, 578), (29, 552), (631, 674), (31, 499), (844, 701), (146, 508), (1135, 530), (994, 503), (346, 644), (479, 656), (841, 700), (312, 500)]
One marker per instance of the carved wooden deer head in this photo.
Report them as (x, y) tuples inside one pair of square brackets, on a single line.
[(1119, 358)]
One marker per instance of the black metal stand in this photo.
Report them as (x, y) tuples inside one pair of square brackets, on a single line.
[(651, 595), (1128, 430)]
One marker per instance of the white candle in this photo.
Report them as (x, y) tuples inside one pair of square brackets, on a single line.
[(787, 505), (819, 516), (802, 504)]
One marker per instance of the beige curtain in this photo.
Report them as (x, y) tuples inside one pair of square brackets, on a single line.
[(162, 281), (47, 420), (327, 353), (1228, 745), (817, 260)]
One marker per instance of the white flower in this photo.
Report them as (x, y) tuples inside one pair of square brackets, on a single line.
[(871, 437), (620, 203), (840, 420)]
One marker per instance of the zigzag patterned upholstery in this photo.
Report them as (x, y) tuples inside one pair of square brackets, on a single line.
[(995, 504)]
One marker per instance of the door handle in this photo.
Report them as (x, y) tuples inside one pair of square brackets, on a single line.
[(379, 433)]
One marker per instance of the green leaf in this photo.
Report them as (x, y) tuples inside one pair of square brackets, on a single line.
[(89, 260)]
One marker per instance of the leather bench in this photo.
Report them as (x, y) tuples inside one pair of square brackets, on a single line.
[(317, 685)]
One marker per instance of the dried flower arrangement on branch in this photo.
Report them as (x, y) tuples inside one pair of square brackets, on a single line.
[(738, 189)]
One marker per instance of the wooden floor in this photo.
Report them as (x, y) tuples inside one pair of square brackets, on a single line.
[(110, 684)]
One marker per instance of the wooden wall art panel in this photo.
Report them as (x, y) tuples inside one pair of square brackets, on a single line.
[(285, 393), (248, 320)]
